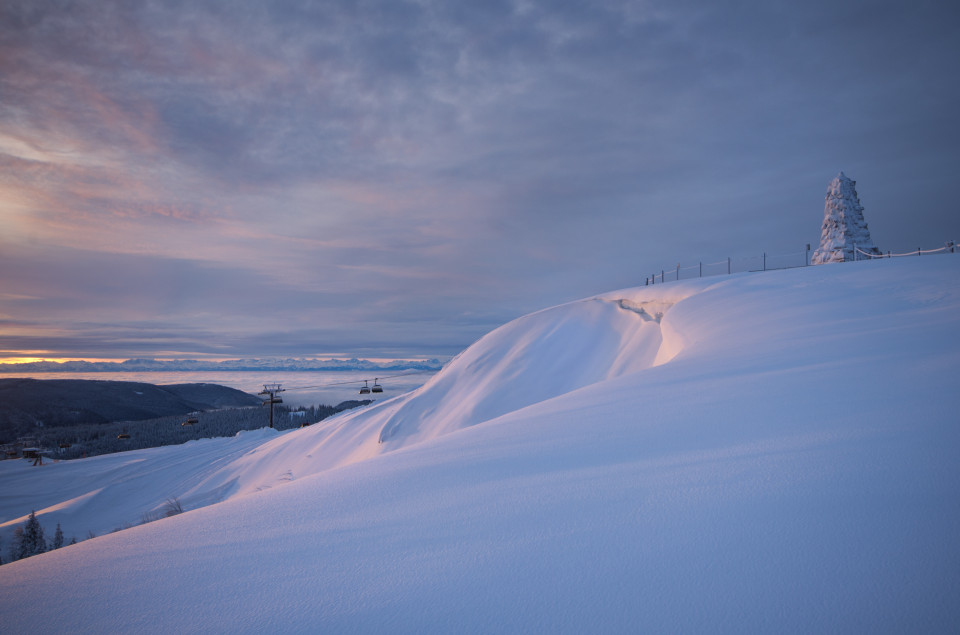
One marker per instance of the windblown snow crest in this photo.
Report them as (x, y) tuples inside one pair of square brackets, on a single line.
[(524, 362), (532, 359), (527, 361)]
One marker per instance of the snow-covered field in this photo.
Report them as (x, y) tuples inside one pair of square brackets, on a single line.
[(770, 452)]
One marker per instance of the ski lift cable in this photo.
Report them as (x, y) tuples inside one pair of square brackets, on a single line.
[(358, 381)]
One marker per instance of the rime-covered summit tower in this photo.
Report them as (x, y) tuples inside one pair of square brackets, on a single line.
[(843, 224)]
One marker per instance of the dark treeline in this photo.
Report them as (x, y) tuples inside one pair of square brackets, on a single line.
[(27, 404), (103, 438)]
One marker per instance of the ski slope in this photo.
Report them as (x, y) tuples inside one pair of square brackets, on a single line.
[(762, 452)]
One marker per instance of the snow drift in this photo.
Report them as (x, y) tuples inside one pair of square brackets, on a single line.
[(763, 452)]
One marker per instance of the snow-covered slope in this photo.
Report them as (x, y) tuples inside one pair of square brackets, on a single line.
[(527, 361), (524, 362), (764, 452)]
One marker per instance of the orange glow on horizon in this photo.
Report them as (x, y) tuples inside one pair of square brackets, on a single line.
[(59, 360)]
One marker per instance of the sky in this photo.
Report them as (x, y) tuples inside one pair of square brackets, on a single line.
[(395, 179)]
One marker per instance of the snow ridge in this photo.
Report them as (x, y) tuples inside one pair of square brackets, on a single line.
[(516, 365)]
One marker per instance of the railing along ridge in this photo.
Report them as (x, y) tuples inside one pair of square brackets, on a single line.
[(728, 266)]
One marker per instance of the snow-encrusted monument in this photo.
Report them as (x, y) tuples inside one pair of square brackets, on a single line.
[(844, 227)]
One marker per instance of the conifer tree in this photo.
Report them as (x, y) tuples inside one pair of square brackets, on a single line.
[(57, 538), (15, 544), (31, 540)]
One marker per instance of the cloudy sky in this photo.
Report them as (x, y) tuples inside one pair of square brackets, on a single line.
[(394, 179)]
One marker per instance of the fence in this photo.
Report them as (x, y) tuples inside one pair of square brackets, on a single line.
[(950, 247), (770, 262)]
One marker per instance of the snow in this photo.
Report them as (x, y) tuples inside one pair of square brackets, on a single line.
[(777, 452), (844, 227), (113, 491)]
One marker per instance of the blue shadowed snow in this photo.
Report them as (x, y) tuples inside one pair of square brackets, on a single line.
[(774, 452)]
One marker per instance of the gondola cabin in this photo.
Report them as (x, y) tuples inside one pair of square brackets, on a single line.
[(366, 389), (376, 387)]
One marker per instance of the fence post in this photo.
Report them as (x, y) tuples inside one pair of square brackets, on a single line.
[(764, 261), (728, 265), (678, 272), (701, 268), (918, 251), (806, 257), (662, 279)]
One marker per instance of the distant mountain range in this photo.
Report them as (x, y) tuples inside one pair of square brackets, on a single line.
[(182, 365)]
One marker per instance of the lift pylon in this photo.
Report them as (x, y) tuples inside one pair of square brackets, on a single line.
[(270, 392)]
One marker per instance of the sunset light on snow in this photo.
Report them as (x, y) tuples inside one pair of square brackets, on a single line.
[(479, 316)]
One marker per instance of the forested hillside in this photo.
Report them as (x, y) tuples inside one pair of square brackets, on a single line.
[(29, 406), (106, 438)]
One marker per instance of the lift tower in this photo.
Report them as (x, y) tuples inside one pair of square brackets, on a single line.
[(269, 393)]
